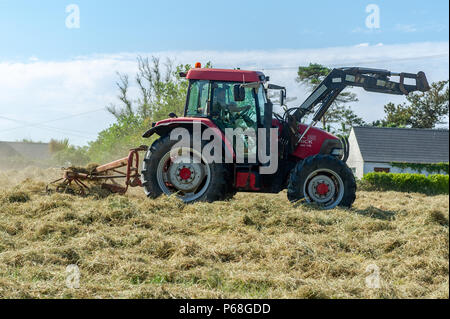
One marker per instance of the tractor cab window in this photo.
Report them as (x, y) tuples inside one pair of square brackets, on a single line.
[(228, 112), (198, 98)]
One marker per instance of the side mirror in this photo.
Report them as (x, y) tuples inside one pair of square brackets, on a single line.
[(239, 93), (172, 115), (282, 97)]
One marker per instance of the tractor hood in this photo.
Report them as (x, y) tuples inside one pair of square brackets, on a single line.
[(316, 141)]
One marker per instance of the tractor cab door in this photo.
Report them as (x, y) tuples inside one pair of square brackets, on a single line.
[(238, 113)]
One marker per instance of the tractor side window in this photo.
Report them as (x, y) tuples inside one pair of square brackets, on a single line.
[(198, 98), (231, 113)]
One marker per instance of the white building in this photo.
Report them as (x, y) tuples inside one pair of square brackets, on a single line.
[(373, 149)]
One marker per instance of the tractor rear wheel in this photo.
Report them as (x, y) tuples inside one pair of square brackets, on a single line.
[(184, 172), (323, 180)]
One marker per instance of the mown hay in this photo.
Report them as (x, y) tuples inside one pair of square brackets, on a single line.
[(254, 246)]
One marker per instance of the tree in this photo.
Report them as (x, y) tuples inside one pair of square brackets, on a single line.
[(396, 115), (161, 91), (425, 109), (339, 113), (348, 120)]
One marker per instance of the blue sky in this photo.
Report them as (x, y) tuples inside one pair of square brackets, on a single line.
[(37, 28), (59, 81)]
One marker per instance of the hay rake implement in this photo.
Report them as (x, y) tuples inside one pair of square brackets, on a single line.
[(104, 176)]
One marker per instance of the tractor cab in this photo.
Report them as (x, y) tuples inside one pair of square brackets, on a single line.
[(230, 98)]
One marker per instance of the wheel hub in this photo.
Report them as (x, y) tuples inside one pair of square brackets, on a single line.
[(185, 173), (322, 189)]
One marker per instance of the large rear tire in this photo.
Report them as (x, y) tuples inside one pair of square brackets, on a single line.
[(324, 180), (191, 181)]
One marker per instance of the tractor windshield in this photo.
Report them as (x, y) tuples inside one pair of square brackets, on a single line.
[(198, 98)]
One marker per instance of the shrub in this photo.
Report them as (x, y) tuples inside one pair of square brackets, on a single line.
[(58, 145), (115, 141), (433, 184), (112, 143), (71, 156)]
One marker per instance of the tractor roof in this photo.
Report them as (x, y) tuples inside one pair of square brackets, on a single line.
[(225, 75)]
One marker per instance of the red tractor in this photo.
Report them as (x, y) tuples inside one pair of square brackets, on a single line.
[(310, 161)]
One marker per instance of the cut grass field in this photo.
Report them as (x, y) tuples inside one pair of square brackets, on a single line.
[(254, 246)]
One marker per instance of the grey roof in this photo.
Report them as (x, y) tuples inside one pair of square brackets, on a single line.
[(24, 149), (380, 144)]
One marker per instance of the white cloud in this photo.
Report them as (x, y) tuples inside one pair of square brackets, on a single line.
[(41, 90), (366, 30), (405, 28)]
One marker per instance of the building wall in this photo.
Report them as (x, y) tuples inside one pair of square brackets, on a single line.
[(355, 160), (370, 167)]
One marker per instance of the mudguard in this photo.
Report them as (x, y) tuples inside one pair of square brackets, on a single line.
[(165, 126)]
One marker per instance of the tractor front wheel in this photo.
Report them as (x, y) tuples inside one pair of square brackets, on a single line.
[(323, 180)]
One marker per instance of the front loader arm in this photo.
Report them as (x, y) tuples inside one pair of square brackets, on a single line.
[(373, 80)]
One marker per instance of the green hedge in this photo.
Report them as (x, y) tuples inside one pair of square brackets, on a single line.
[(437, 168), (433, 184)]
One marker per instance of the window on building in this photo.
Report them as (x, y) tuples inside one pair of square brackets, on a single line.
[(353, 170), (382, 169)]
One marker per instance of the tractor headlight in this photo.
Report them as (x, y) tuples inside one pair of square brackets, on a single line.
[(337, 152)]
